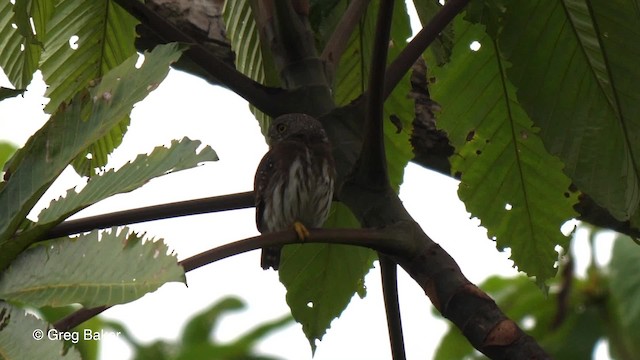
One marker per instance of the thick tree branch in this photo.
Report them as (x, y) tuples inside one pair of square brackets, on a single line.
[(405, 60), (268, 100)]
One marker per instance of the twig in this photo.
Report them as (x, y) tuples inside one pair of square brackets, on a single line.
[(157, 212), (402, 64), (269, 100)]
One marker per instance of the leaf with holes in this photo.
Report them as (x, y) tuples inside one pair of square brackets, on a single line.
[(114, 269), (575, 68), (321, 279), (21, 49), (68, 133), (104, 35), (509, 181), (180, 155)]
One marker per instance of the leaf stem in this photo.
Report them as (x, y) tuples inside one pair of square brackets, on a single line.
[(402, 64)]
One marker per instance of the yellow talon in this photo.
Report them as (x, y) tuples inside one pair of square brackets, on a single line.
[(301, 230)]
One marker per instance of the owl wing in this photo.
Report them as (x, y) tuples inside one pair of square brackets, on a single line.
[(260, 183)]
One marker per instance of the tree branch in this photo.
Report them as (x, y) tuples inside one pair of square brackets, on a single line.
[(269, 100), (402, 64), (157, 212), (371, 168), (389, 272), (382, 240)]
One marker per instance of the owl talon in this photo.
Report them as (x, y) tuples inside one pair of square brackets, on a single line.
[(301, 230)]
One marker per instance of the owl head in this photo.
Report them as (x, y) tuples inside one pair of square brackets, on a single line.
[(296, 127)]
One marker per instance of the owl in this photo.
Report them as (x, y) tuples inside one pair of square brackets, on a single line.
[(294, 181)]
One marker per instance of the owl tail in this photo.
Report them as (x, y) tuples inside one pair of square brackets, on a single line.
[(270, 257)]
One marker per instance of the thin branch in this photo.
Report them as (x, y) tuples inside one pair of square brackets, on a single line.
[(389, 272), (269, 100), (371, 167), (375, 239), (337, 43), (157, 212), (76, 318), (402, 64)]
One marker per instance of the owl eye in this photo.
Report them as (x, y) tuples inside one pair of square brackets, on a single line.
[(281, 128)]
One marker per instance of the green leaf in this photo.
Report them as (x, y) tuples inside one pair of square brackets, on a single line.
[(200, 326), (17, 337), (454, 346), (106, 35), (21, 49), (508, 180), (196, 341), (577, 78), (6, 93), (625, 292), (180, 155), (321, 279), (251, 59), (443, 44), (352, 76), (115, 268), (71, 130), (6, 151)]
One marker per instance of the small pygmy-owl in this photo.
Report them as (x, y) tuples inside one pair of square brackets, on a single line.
[(294, 181)]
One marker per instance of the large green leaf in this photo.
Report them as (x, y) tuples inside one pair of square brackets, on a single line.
[(321, 279), (23, 336), (106, 35), (575, 67), (179, 156), (508, 180), (21, 48), (68, 133), (115, 268), (251, 60)]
